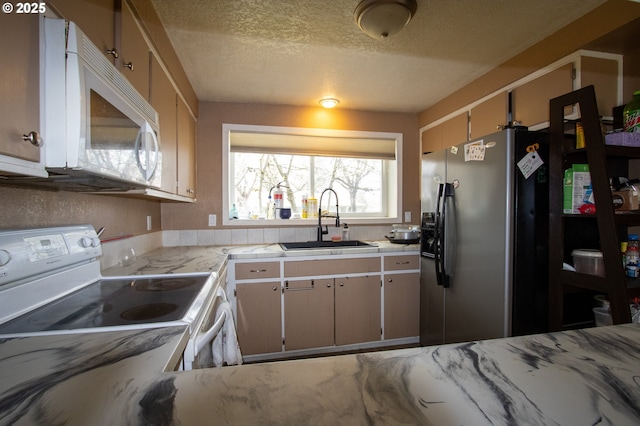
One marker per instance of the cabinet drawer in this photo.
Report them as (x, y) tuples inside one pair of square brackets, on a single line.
[(331, 267), (396, 263), (257, 270)]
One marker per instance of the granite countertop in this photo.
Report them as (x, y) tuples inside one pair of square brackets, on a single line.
[(582, 377)]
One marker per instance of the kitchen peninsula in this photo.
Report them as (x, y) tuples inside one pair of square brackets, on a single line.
[(587, 376)]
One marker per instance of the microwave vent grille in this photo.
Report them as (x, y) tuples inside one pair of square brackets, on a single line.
[(107, 71)]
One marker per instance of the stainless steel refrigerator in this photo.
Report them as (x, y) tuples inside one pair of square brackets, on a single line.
[(485, 238)]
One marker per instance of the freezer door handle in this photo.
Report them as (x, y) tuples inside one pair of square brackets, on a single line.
[(445, 244)]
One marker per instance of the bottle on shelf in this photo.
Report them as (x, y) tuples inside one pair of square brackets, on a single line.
[(345, 232), (632, 256), (233, 214), (305, 207), (631, 114)]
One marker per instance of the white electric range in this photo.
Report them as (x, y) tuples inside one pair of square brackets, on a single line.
[(50, 283)]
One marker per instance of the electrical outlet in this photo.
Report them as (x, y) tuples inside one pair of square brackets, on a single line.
[(149, 227), (212, 220), (407, 216)]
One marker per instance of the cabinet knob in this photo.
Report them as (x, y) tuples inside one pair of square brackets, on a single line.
[(33, 137), (113, 52), (341, 284), (275, 288), (328, 285), (390, 280), (129, 65)]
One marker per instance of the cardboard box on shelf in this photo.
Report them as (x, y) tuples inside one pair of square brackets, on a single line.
[(577, 189), (622, 139)]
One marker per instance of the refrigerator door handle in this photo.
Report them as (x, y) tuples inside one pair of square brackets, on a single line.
[(449, 234), (438, 236)]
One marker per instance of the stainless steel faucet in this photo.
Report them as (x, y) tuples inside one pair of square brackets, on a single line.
[(325, 231)]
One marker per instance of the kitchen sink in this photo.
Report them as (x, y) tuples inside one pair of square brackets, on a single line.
[(324, 244)]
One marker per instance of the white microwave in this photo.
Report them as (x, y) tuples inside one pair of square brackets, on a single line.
[(99, 133)]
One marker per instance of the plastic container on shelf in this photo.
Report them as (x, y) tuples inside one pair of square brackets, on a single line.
[(312, 204), (602, 317), (588, 261), (631, 114)]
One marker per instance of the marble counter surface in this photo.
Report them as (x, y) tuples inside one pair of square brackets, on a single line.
[(583, 377), (190, 259)]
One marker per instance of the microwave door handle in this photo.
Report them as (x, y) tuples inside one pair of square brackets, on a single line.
[(149, 167), (155, 157)]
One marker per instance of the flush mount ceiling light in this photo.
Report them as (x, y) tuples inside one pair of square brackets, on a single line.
[(329, 102), (381, 18)]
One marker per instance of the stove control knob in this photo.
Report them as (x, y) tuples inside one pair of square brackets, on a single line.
[(5, 257), (95, 242), (85, 242)]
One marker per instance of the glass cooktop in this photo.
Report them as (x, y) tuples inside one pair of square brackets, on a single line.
[(113, 302)]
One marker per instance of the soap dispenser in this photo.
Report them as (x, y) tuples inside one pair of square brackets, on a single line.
[(345, 232)]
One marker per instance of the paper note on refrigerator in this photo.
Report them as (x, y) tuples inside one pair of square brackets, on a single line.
[(474, 151), (529, 164)]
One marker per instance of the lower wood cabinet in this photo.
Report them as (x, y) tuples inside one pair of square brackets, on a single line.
[(401, 305), (318, 305), (259, 322), (357, 301), (308, 314)]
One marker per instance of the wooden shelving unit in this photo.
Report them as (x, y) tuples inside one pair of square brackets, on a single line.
[(608, 227)]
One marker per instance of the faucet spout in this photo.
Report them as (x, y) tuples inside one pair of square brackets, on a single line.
[(325, 231)]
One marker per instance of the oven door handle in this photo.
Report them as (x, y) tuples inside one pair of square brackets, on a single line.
[(205, 339)]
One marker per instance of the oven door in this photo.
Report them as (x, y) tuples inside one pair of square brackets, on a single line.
[(198, 353)]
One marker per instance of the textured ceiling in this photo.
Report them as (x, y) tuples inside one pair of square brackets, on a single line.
[(298, 51)]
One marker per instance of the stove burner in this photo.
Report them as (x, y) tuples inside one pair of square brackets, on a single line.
[(148, 311), (164, 284)]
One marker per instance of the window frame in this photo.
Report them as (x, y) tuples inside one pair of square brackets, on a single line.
[(394, 183)]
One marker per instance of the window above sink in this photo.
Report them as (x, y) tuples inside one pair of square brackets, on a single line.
[(364, 168)]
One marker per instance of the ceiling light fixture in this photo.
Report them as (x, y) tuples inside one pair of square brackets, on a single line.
[(329, 102), (382, 18)]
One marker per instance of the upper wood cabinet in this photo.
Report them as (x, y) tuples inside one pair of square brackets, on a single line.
[(112, 27), (96, 18), (451, 132), (20, 94), (186, 151), (531, 100), (488, 116), (133, 60), (163, 99)]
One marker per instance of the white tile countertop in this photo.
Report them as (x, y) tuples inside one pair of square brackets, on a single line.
[(581, 377)]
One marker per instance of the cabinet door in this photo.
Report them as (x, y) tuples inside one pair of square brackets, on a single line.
[(401, 305), (259, 319), (19, 86), (531, 100), (487, 116), (186, 151), (357, 305), (451, 132), (308, 314), (163, 99), (96, 18), (134, 52), (602, 73)]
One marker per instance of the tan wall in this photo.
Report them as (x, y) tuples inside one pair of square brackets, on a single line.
[(209, 152), (582, 33), (24, 207)]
